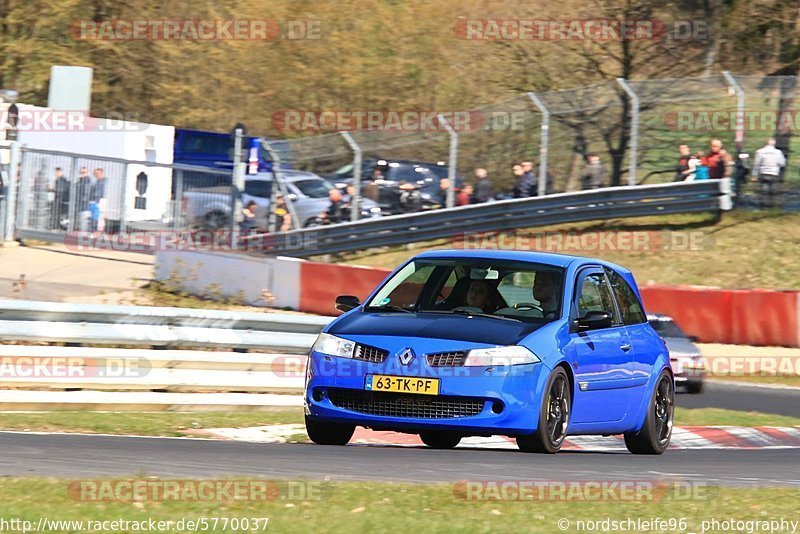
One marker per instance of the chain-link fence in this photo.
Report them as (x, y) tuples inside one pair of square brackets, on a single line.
[(618, 132)]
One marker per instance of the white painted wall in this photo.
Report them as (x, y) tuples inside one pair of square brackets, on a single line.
[(234, 274)]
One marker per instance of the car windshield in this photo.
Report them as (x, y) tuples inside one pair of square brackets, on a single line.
[(503, 289), (666, 328), (314, 188)]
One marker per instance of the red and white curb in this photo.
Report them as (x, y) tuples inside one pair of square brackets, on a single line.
[(688, 437)]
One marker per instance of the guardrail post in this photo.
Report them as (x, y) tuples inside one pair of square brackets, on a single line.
[(355, 202), (544, 139), (278, 186), (123, 200), (11, 191), (451, 164), (634, 136), (177, 204), (737, 89), (726, 199)]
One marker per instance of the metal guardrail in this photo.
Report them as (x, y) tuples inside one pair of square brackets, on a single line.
[(150, 368), (505, 215)]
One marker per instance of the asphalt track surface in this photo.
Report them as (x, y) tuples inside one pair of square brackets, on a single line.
[(717, 394), (82, 456)]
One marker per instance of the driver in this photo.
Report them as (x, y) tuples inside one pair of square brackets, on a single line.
[(544, 290)]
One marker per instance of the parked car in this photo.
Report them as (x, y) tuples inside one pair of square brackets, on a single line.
[(684, 355), (405, 186), (460, 343), (210, 208)]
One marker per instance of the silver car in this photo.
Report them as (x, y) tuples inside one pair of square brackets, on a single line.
[(684, 355)]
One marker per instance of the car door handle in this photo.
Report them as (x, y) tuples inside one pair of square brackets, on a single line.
[(626, 347)]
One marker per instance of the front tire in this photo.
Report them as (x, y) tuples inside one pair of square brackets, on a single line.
[(440, 440), (656, 433), (694, 386), (553, 417), (324, 433)]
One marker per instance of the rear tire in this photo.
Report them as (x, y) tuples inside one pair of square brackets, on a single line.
[(324, 433), (553, 417), (440, 440), (656, 433)]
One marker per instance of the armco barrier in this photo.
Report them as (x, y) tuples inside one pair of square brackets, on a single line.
[(733, 316)]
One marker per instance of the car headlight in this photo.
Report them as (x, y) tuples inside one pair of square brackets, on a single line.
[(334, 346), (509, 355)]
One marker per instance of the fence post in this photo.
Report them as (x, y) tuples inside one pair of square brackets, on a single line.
[(177, 204), (278, 185), (355, 202), (451, 164), (734, 85), (123, 200), (634, 141), (237, 189), (544, 139), (11, 191)]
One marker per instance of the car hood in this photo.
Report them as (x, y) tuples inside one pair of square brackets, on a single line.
[(678, 346), (473, 329)]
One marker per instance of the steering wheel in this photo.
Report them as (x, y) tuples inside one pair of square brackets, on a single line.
[(527, 306)]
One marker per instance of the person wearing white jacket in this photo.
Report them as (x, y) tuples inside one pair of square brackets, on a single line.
[(767, 168)]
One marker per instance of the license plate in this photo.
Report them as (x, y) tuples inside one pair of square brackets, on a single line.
[(402, 384)]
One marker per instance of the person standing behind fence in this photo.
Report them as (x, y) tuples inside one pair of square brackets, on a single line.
[(97, 195), (60, 210), (767, 169), (719, 161), (483, 187), (682, 170), (530, 178), (83, 197), (522, 184), (594, 176)]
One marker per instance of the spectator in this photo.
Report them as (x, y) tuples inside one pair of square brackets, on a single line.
[(464, 196), (283, 219), (483, 187), (530, 178), (594, 176), (719, 161), (334, 212), (97, 195), (698, 166), (767, 169), (60, 189), (248, 223), (83, 193), (682, 171), (522, 185)]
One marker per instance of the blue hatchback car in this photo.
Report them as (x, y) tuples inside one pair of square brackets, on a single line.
[(462, 343)]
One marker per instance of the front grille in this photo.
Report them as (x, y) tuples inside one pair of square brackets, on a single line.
[(370, 354), (404, 405), (447, 359)]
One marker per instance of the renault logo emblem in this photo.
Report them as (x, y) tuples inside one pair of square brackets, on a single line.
[(406, 356)]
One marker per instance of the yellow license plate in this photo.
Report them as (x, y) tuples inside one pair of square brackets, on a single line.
[(402, 384)]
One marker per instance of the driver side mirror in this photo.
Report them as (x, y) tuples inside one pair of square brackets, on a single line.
[(345, 303), (594, 320)]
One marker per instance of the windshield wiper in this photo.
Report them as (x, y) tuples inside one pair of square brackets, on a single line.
[(388, 307), (477, 314)]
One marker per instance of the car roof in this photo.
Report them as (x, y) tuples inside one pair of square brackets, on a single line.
[(289, 175), (548, 258)]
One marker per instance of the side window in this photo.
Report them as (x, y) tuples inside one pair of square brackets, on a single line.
[(595, 295), (629, 306), (258, 188)]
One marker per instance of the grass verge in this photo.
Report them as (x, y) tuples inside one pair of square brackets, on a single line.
[(721, 417), (393, 507)]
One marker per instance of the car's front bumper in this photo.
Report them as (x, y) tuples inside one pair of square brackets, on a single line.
[(687, 369), (472, 400)]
